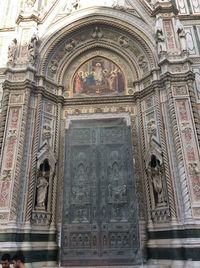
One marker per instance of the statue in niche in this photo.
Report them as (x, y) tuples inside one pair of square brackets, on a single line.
[(12, 49), (32, 49), (181, 34), (156, 175), (160, 39), (42, 190)]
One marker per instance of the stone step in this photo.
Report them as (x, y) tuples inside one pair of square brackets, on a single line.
[(120, 266)]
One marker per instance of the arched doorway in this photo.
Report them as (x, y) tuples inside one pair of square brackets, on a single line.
[(99, 218), (100, 223)]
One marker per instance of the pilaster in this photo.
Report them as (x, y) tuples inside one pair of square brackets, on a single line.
[(12, 148), (179, 105), (31, 184)]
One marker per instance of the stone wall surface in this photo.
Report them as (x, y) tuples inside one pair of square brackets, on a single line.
[(63, 195)]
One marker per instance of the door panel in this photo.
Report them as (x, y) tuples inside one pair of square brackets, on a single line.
[(100, 217)]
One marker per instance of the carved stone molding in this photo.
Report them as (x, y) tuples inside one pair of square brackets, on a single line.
[(129, 34), (46, 152), (107, 40), (41, 218)]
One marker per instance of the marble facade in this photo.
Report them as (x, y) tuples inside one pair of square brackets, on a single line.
[(117, 67)]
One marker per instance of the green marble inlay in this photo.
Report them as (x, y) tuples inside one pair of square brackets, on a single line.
[(26, 237), (174, 253), (189, 233)]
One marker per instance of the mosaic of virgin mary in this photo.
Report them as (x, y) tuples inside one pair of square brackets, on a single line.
[(98, 76)]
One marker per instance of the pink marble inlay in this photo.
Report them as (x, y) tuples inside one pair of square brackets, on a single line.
[(187, 134), (182, 110), (14, 118), (10, 153), (4, 193), (196, 186), (190, 153), (169, 34)]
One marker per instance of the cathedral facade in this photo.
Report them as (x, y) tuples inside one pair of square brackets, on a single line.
[(100, 132)]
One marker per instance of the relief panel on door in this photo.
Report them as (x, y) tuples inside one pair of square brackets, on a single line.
[(100, 217)]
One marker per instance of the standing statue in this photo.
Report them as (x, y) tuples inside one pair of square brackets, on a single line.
[(160, 39), (181, 34), (156, 175), (32, 49), (12, 49), (42, 190)]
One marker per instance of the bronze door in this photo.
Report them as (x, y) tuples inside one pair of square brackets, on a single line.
[(100, 217)]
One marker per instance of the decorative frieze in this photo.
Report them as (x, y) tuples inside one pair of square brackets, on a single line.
[(49, 108), (41, 218), (16, 98), (100, 109), (180, 90)]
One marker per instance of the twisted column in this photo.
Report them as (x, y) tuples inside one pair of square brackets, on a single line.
[(56, 150), (31, 184), (3, 115), (194, 109), (143, 167), (61, 171), (165, 156), (179, 154)]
